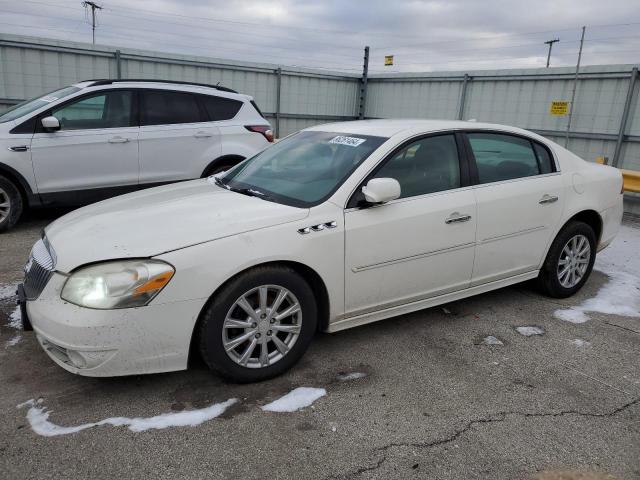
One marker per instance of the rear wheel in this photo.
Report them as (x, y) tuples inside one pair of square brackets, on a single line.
[(259, 325), (10, 204), (569, 261)]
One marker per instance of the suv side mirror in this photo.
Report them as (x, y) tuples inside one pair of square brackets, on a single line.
[(381, 190), (50, 124)]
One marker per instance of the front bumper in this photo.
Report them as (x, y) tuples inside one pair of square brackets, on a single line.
[(105, 343)]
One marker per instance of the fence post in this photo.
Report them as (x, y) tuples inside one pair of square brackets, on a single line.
[(118, 65), (625, 116), (278, 92), (363, 84), (463, 96)]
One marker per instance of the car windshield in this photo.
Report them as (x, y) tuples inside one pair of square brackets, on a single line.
[(302, 170), (29, 106)]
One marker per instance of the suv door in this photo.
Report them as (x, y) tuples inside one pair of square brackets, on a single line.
[(177, 141), (520, 202), (420, 245), (95, 150)]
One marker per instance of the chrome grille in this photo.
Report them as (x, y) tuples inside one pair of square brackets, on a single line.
[(38, 270)]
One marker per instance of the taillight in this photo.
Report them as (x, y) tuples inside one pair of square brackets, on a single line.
[(265, 131)]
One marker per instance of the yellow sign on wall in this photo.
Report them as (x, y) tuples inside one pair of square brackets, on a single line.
[(559, 108), (388, 60)]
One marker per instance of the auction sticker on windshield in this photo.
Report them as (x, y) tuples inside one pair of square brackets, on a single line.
[(351, 141)]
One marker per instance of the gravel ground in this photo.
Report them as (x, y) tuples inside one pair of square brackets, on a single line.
[(437, 400)]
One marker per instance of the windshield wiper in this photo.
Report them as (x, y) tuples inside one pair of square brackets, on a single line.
[(250, 192)]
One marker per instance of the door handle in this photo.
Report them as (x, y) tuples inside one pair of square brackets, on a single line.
[(202, 135), (455, 217), (548, 199), (19, 148), (118, 140)]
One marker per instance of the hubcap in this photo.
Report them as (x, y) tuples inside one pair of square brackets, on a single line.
[(574, 261), (262, 326), (5, 205)]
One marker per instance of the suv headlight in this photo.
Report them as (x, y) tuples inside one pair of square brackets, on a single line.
[(117, 284)]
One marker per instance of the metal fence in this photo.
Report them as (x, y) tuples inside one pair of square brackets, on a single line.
[(606, 114), (291, 98)]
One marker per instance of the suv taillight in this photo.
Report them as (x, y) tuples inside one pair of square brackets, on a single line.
[(265, 131)]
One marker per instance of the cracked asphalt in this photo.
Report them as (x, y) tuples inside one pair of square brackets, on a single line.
[(436, 402)]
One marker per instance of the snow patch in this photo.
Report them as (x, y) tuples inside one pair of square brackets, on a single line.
[(7, 290), (491, 340), (621, 294), (345, 377), (15, 319), (578, 342), (295, 400), (38, 418), (529, 331), (14, 341)]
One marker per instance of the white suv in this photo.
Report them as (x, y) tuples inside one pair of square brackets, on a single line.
[(100, 138)]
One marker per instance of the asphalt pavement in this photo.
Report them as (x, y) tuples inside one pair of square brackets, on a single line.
[(436, 400)]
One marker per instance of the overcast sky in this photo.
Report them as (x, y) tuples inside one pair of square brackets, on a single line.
[(330, 34)]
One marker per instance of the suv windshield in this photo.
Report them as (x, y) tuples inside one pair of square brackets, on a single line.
[(303, 169), (29, 106)]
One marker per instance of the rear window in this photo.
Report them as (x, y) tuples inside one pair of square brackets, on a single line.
[(220, 108), (160, 107)]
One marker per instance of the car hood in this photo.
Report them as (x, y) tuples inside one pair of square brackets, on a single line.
[(158, 220)]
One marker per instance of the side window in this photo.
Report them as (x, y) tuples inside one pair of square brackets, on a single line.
[(163, 107), (502, 157), (546, 163), (425, 166), (220, 108), (104, 110)]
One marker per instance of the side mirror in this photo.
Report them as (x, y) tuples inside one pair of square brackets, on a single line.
[(381, 190), (50, 124)]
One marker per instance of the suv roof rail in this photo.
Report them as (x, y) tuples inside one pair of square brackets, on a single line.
[(106, 81)]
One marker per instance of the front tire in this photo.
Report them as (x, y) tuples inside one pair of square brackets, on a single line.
[(10, 204), (569, 261), (259, 325)]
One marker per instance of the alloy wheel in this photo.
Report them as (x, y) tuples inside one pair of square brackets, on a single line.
[(5, 205), (574, 261), (262, 326)]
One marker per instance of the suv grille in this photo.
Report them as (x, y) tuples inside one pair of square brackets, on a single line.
[(38, 270)]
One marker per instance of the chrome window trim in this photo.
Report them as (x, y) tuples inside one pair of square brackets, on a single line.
[(519, 179), (551, 150)]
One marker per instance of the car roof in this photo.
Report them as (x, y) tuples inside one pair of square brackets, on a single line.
[(390, 127), (165, 84)]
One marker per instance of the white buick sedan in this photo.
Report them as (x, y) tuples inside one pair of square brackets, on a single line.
[(333, 227)]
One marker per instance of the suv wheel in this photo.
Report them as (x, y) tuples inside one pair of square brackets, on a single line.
[(259, 325), (10, 204), (569, 261)]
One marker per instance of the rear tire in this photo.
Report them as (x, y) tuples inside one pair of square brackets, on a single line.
[(11, 204), (267, 330), (569, 261), (221, 166)]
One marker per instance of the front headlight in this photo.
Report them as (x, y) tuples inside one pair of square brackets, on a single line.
[(117, 284)]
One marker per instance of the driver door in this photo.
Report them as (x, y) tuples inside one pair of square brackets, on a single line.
[(419, 245), (95, 150)]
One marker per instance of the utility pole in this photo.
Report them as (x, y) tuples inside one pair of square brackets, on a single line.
[(550, 43), (93, 6), (363, 84), (575, 84)]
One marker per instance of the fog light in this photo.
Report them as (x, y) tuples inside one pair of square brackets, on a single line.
[(76, 359)]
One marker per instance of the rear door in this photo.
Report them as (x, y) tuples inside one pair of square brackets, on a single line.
[(177, 140), (520, 202), (95, 150)]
